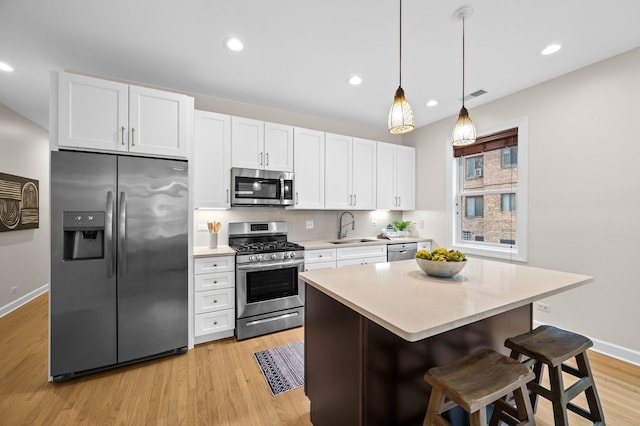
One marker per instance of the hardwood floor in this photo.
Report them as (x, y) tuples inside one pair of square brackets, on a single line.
[(217, 383)]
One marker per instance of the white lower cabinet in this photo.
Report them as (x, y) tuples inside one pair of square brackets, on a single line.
[(214, 298), (320, 259), (361, 255)]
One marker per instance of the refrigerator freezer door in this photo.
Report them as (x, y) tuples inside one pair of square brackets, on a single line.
[(153, 246), (82, 294)]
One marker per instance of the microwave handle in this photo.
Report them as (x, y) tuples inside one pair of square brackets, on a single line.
[(281, 189)]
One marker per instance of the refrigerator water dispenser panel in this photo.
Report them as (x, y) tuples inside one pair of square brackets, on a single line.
[(83, 235)]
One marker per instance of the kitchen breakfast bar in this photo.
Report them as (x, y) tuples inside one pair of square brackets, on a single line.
[(372, 331)]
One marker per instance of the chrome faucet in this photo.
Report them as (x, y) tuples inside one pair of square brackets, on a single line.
[(342, 234)]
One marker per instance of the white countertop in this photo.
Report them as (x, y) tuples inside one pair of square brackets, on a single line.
[(325, 244), (401, 298), (218, 251)]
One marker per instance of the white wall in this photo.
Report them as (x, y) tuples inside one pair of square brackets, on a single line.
[(24, 254), (584, 192)]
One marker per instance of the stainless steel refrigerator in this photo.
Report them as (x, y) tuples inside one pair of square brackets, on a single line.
[(119, 253)]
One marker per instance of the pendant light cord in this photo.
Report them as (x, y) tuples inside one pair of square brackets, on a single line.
[(400, 50), (463, 61)]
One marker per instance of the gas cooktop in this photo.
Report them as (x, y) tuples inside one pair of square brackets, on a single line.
[(266, 247)]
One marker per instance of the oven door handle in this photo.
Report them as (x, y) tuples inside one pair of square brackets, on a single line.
[(267, 266)]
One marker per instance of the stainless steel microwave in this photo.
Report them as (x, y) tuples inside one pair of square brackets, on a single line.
[(256, 187)]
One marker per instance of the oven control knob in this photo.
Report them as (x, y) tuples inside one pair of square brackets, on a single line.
[(292, 255), (273, 256), (251, 258), (259, 257)]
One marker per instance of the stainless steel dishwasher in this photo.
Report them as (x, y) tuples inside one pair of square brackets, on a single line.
[(401, 251)]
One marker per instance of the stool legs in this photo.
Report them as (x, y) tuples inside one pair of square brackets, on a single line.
[(561, 397)]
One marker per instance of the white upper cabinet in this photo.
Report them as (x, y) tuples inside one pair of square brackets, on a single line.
[(406, 177), (350, 173), (158, 122), (338, 171), (278, 147), (259, 145), (212, 160), (102, 115), (309, 146), (395, 177), (364, 174)]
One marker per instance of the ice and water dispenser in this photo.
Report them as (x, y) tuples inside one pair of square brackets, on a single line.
[(83, 235)]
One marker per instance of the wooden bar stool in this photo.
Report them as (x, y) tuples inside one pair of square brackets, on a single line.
[(553, 346), (475, 382)]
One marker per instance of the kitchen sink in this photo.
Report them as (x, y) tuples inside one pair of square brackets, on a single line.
[(351, 241)]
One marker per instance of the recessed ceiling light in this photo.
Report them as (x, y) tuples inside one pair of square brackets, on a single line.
[(5, 67), (234, 44), (432, 103), (551, 49), (355, 80)]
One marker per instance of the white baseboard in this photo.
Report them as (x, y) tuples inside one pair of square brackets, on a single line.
[(4, 310), (611, 349)]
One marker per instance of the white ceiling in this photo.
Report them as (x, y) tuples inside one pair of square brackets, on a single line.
[(299, 53)]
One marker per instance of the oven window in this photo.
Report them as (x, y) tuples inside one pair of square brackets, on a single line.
[(271, 284), (248, 187)]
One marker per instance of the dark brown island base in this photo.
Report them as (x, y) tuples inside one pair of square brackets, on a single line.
[(372, 331)]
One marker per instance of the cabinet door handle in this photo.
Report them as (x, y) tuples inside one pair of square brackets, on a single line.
[(267, 156), (350, 199), (133, 137), (355, 199), (122, 137), (297, 199), (227, 195), (399, 201), (261, 158)]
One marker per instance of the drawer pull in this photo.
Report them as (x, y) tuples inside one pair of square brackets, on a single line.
[(215, 301), (215, 323)]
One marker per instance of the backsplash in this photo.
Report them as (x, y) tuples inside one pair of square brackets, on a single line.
[(325, 223)]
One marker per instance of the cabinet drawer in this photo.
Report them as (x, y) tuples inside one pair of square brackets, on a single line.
[(320, 265), (214, 322), (377, 259), (205, 265), (325, 255), (214, 300), (347, 253), (362, 261), (206, 282)]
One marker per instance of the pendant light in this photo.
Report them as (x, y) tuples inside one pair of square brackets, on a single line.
[(464, 133), (401, 115)]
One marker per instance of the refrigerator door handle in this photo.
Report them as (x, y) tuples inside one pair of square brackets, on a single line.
[(108, 236), (122, 235)]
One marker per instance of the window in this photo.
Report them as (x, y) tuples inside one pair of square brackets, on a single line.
[(509, 156), (473, 167), (508, 202), (475, 206), (485, 219)]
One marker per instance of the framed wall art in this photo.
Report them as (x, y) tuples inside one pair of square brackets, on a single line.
[(19, 203)]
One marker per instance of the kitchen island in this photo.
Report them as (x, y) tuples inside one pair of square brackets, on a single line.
[(372, 331)]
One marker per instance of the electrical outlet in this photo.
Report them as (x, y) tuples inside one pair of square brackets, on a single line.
[(310, 224), (543, 307), (421, 223), (14, 289), (203, 227), (374, 223)]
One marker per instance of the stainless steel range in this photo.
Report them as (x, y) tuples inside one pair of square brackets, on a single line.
[(269, 294)]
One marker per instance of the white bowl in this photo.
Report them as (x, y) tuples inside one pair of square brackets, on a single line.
[(440, 269)]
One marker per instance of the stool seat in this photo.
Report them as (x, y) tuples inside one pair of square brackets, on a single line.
[(475, 382), (551, 346)]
